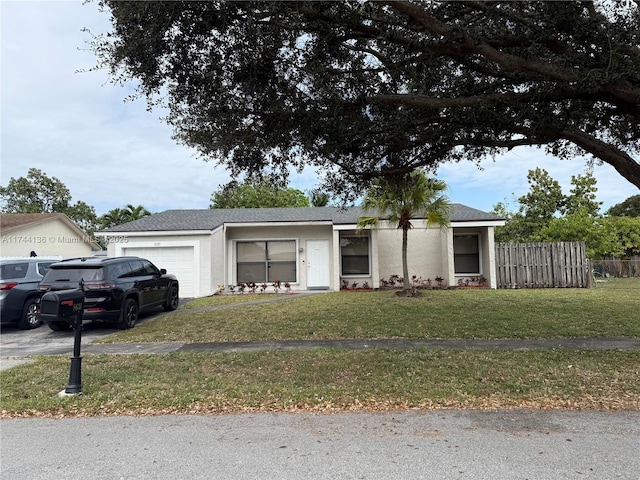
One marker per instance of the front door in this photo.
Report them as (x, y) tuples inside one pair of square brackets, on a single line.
[(318, 264)]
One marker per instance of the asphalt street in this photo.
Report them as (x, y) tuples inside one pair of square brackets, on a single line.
[(507, 444)]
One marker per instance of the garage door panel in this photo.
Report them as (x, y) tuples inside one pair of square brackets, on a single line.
[(178, 260)]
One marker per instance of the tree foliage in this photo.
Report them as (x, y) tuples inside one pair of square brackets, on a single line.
[(582, 198), (400, 200), (318, 198), (545, 202), (39, 193), (629, 208), (362, 89), (257, 194), (547, 215), (604, 237), (35, 193), (118, 216)]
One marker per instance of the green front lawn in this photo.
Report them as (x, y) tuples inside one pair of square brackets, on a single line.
[(325, 380), (609, 310), (331, 380)]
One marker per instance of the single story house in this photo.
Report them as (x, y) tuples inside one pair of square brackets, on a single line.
[(44, 235), (310, 248)]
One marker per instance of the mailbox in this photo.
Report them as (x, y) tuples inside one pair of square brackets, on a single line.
[(62, 305)]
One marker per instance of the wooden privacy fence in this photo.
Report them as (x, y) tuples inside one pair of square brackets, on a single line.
[(542, 265)]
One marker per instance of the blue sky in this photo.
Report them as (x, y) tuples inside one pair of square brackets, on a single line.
[(109, 153)]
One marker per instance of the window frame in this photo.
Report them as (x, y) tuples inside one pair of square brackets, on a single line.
[(268, 262), (354, 275), (479, 254)]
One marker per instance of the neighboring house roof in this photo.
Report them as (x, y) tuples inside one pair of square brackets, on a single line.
[(11, 222), (180, 220), (16, 221)]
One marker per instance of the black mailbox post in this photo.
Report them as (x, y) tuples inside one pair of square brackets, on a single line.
[(67, 305)]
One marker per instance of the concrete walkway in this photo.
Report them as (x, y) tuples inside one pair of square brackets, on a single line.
[(619, 343)]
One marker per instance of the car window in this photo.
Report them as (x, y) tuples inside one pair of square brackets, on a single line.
[(120, 270), (74, 274), (43, 268), (137, 269), (150, 268), (14, 270)]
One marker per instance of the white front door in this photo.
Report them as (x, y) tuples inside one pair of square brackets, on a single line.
[(318, 264)]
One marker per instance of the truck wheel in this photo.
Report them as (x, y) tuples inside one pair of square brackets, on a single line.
[(59, 326), (129, 315), (172, 299), (29, 318)]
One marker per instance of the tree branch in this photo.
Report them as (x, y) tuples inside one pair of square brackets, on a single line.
[(624, 164)]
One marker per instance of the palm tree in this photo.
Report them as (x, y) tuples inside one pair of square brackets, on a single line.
[(112, 218), (402, 199), (319, 198), (132, 213)]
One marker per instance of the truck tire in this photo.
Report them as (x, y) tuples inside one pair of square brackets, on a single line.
[(59, 326), (172, 299), (129, 315)]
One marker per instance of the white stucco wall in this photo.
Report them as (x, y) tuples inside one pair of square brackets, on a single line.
[(200, 242), (52, 238), (301, 234), (217, 255)]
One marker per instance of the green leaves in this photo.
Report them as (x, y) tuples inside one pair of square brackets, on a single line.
[(362, 90), (257, 194), (35, 193), (547, 215), (401, 198)]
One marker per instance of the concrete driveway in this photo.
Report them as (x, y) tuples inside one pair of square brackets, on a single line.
[(16, 346)]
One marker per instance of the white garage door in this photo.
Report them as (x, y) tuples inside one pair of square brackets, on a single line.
[(179, 261)]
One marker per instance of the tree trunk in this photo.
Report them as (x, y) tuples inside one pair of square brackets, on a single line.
[(406, 283)]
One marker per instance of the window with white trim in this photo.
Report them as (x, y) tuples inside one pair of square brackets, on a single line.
[(466, 254), (354, 252), (266, 261)]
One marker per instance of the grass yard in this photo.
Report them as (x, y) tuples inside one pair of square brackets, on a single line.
[(333, 380), (611, 309), (325, 380)]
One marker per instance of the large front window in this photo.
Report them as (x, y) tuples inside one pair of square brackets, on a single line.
[(266, 261), (466, 254), (355, 255)]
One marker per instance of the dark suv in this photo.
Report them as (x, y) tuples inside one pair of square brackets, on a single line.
[(19, 280), (115, 289)]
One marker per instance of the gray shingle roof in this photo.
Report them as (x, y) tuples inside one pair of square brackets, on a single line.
[(175, 220)]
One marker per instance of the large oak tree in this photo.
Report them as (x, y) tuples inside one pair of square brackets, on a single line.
[(366, 89)]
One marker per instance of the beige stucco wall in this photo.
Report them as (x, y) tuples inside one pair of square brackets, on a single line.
[(430, 251), (52, 238), (425, 253)]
